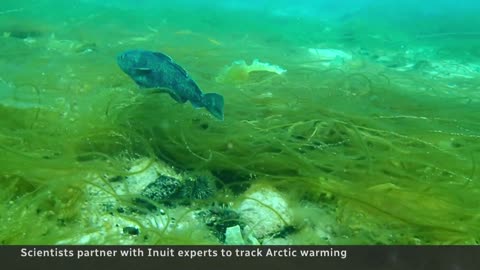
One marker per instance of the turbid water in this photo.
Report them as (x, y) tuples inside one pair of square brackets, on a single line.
[(363, 118)]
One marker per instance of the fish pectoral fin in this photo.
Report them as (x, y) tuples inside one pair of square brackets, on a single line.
[(143, 70), (177, 98), (169, 91), (161, 90)]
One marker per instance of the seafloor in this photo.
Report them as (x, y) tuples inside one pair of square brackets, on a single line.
[(354, 129)]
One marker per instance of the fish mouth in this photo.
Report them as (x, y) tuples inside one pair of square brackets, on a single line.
[(122, 61), (121, 57)]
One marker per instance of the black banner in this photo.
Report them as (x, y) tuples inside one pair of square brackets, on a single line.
[(241, 257)]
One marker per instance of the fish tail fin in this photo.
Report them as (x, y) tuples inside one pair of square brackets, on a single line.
[(214, 104)]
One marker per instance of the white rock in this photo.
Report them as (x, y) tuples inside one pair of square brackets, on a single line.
[(265, 211), (329, 54), (148, 171), (233, 236), (100, 209)]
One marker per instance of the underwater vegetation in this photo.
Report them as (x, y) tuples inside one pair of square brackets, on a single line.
[(341, 133)]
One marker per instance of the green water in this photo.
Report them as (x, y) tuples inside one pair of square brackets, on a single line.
[(378, 144)]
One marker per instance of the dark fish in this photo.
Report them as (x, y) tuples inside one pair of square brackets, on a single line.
[(157, 70)]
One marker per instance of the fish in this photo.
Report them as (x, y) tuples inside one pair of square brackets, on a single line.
[(156, 70)]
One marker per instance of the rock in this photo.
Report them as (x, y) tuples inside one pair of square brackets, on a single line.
[(144, 172), (121, 216), (158, 182), (218, 219), (199, 187), (236, 236), (233, 236), (249, 237), (163, 188), (330, 57), (329, 54), (168, 190), (265, 211)]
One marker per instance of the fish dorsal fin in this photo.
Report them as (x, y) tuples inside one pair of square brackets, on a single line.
[(163, 56), (180, 69), (168, 58)]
